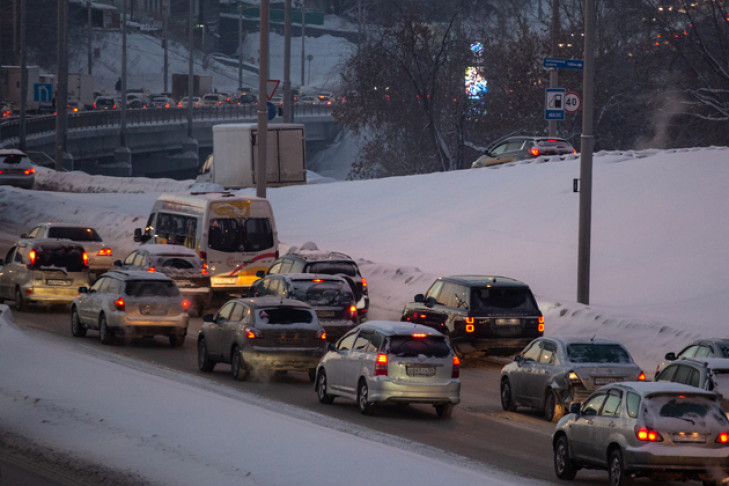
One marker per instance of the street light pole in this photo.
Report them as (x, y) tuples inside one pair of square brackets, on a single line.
[(587, 141), (89, 37), (303, 37), (62, 86), (288, 108), (262, 138), (165, 35), (554, 73), (240, 45)]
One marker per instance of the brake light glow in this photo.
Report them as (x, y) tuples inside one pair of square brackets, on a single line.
[(32, 255), (470, 320), (151, 270), (364, 283), (722, 438), (317, 280), (29, 171), (534, 151), (85, 257), (323, 336), (104, 252), (646, 434), (456, 367), (120, 304), (540, 325), (250, 334), (572, 376), (352, 311), (418, 335), (381, 365), (641, 376), (470, 328), (185, 304)]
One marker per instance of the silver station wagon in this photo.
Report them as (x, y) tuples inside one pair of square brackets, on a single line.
[(665, 431), (553, 372), (391, 362), (131, 303)]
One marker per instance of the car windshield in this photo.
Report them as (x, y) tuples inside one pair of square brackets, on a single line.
[(597, 353), (285, 315), (68, 257), (75, 234), (177, 262), (151, 288), (334, 268), (409, 345), (320, 292), (240, 234), (511, 298)]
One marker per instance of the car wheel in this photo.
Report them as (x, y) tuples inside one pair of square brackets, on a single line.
[(507, 398), (616, 470), (204, 363), (564, 468), (176, 340), (444, 411), (77, 329), (362, 398), (552, 411), (20, 304), (237, 366), (105, 335), (321, 388)]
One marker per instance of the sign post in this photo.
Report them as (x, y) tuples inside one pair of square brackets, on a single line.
[(572, 102), (554, 104)]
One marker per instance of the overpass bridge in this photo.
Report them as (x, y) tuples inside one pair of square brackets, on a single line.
[(155, 137)]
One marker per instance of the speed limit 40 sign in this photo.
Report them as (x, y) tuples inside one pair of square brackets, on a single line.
[(572, 102)]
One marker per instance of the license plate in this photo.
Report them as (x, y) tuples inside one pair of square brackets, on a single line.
[(604, 380), (183, 283), (420, 370), (220, 281), (507, 322), (688, 437), (58, 283), (327, 313)]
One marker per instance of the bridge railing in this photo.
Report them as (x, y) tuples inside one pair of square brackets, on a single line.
[(36, 124)]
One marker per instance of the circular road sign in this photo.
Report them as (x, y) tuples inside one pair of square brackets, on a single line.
[(572, 102)]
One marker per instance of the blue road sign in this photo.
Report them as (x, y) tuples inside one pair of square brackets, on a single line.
[(43, 92), (554, 104), (271, 110), (552, 62)]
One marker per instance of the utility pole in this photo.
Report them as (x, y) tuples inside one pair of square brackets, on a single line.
[(303, 36), (62, 158), (262, 138), (190, 81), (240, 45), (166, 40), (23, 77), (587, 141), (554, 73), (122, 155), (288, 100)]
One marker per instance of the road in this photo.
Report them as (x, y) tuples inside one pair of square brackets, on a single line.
[(479, 429)]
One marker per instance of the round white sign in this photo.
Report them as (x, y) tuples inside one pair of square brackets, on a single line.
[(572, 102)]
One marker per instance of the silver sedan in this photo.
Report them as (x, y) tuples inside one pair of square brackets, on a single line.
[(551, 373)]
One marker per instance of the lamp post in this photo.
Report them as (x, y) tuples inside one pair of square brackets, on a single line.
[(240, 45), (262, 138), (122, 155), (303, 37)]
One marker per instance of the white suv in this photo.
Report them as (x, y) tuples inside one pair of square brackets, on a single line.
[(43, 271)]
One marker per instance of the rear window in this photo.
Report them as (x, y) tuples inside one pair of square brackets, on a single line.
[(75, 234), (285, 315), (697, 410), (176, 262), (240, 234), (323, 292), (11, 158), (597, 353), (334, 268), (66, 257), (414, 346), (554, 143), (151, 288), (503, 298)]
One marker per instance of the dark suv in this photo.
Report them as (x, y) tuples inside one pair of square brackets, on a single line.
[(330, 263), (522, 147), (498, 315)]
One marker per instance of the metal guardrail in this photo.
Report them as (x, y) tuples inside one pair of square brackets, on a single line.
[(35, 124)]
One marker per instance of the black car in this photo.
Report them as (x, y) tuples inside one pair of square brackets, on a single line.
[(330, 263), (498, 315), (330, 295)]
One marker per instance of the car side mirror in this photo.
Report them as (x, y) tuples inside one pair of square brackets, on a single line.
[(518, 358), (83, 290), (261, 273), (118, 263), (209, 318), (430, 302), (1, 262), (331, 347), (419, 298), (670, 356), (576, 408)]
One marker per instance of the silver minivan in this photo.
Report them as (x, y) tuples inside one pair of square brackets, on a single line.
[(43, 271), (391, 362)]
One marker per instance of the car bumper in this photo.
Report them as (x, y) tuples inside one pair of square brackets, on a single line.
[(283, 359), (26, 182), (467, 344), (198, 295), (52, 295), (336, 329), (385, 390), (124, 325), (665, 458)]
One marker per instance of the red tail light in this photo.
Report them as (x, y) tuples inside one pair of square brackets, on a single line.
[(641, 376), (722, 438), (353, 312), (646, 434), (29, 171), (151, 269), (456, 367), (32, 256), (204, 269), (85, 257), (185, 304), (470, 320), (470, 328), (252, 333), (419, 335), (120, 304), (534, 151), (540, 325), (381, 365), (104, 252), (95, 107)]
